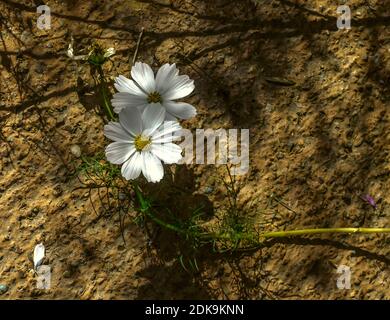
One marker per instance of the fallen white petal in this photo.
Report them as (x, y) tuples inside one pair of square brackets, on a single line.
[(39, 255)]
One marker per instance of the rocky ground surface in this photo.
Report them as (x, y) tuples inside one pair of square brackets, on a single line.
[(316, 101)]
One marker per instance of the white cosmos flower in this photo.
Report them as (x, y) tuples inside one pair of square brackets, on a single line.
[(142, 141), (146, 89)]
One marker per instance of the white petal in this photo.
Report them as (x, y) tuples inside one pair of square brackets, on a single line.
[(165, 76), (114, 131), (119, 152), (179, 87), (169, 117), (141, 108), (131, 169), (167, 128), (123, 84), (118, 109), (39, 255), (143, 74), (123, 100), (180, 110), (167, 152), (152, 118), (131, 121), (166, 139), (152, 168)]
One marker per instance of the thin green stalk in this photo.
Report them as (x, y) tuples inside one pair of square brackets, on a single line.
[(103, 89), (145, 208), (280, 234), (299, 232), (164, 224)]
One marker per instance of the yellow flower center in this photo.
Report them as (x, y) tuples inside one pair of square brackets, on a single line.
[(154, 97), (141, 142)]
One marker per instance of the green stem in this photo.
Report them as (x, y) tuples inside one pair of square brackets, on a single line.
[(299, 232), (103, 89), (280, 234), (164, 224), (145, 208)]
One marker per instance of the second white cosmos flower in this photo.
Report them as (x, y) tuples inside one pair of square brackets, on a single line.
[(142, 141), (146, 89)]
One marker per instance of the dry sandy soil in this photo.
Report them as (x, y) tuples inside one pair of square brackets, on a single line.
[(318, 145)]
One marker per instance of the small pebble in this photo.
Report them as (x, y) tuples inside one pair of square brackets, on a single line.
[(26, 36), (76, 151), (40, 68), (208, 190), (3, 289), (57, 191), (60, 120)]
